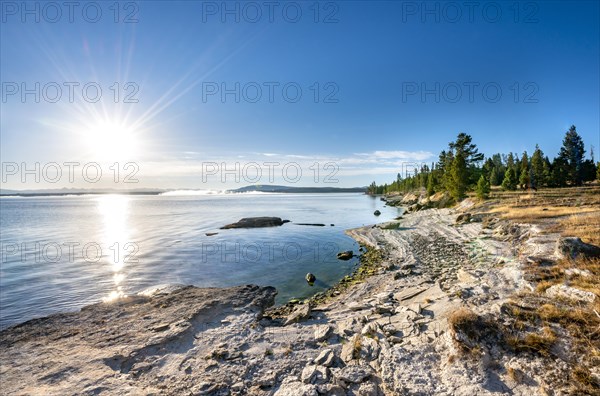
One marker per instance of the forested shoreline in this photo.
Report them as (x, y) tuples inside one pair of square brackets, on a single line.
[(462, 168)]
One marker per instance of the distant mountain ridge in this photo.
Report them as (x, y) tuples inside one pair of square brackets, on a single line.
[(293, 189), (77, 191), (155, 191)]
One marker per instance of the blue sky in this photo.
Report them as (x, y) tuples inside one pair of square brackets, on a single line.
[(362, 64)]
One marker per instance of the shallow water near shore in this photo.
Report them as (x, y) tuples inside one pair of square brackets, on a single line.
[(62, 253)]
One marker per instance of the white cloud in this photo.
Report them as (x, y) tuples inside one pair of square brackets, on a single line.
[(199, 172), (403, 155)]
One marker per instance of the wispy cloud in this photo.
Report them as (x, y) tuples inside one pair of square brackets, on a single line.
[(399, 154), (196, 169)]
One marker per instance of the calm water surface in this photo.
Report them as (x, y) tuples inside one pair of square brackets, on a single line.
[(61, 253)]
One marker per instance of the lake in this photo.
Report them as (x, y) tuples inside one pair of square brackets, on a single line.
[(62, 253)]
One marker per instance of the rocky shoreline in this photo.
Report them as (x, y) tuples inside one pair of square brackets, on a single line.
[(384, 330)]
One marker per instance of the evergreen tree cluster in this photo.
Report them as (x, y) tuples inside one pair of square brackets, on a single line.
[(461, 168)]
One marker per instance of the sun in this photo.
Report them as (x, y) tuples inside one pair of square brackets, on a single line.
[(112, 141)]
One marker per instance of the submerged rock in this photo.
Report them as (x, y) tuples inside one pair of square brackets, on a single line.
[(256, 222), (347, 255)]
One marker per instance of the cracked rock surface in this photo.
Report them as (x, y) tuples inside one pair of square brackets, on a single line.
[(388, 335)]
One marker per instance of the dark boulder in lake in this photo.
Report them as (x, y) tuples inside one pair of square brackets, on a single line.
[(310, 278), (345, 255), (311, 224), (256, 222), (377, 213)]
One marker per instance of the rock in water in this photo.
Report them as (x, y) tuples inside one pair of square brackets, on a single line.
[(377, 213), (310, 278), (256, 222), (347, 255)]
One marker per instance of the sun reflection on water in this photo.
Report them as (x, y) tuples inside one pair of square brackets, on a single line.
[(115, 235)]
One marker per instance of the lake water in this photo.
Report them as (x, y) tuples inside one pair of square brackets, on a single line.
[(62, 253)]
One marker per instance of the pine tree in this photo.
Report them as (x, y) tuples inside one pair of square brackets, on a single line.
[(483, 188), (524, 175), (430, 184), (588, 172), (560, 172), (517, 167), (572, 153), (459, 177), (547, 173), (510, 180), (444, 165), (372, 189), (464, 145), (510, 161), (537, 168), (494, 176)]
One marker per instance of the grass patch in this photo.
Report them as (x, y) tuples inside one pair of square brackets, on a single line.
[(356, 346), (537, 323), (543, 286), (585, 379), (470, 330), (528, 214), (464, 320), (533, 342), (515, 375), (584, 225)]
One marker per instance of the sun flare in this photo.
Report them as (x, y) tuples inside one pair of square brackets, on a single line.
[(112, 141)]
